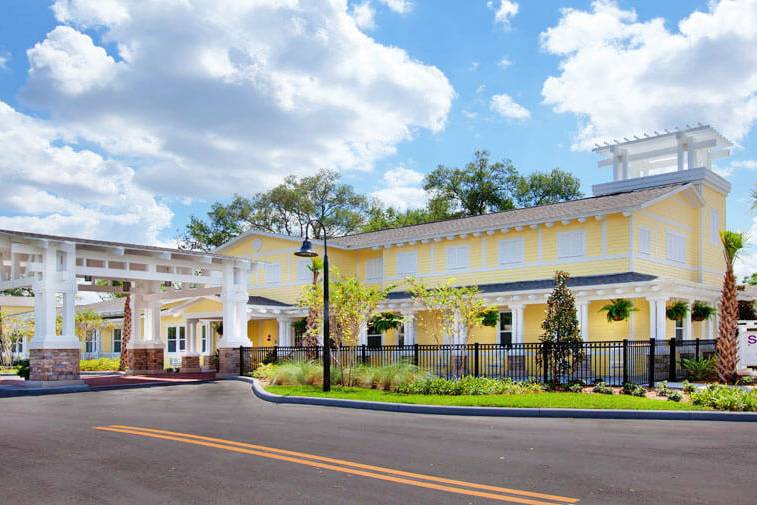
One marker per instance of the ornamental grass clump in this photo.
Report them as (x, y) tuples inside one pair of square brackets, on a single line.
[(663, 389), (474, 386), (602, 388), (99, 365), (726, 398), (634, 389)]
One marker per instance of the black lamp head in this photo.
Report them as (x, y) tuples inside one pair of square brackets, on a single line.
[(306, 250)]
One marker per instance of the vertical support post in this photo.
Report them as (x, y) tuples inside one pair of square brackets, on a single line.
[(476, 370), (363, 354), (696, 349), (545, 361), (415, 354), (583, 319), (625, 360), (672, 362), (241, 360), (650, 366)]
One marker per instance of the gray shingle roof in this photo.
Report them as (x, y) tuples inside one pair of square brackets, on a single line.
[(262, 300), (517, 217), (573, 282)]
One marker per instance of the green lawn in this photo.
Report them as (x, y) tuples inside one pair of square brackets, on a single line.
[(532, 400)]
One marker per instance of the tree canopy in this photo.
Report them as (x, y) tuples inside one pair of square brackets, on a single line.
[(480, 187)]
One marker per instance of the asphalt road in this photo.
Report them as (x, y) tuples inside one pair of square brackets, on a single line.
[(51, 452)]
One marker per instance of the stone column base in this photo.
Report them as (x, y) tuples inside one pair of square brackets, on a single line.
[(190, 363), (145, 361), (51, 367), (228, 361)]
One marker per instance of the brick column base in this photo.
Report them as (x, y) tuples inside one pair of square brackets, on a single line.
[(228, 361), (190, 364), (145, 361), (53, 367)]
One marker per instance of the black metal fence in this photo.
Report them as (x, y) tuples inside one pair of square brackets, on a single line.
[(614, 362)]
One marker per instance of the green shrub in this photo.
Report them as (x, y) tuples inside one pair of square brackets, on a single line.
[(688, 387), (468, 386), (576, 388), (699, 369), (746, 380), (663, 389), (726, 398), (602, 388), (675, 396), (99, 365), (632, 389), (23, 369)]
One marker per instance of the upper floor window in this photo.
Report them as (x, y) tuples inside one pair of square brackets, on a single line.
[(511, 251), (645, 241), (303, 270), (407, 263), (675, 247), (571, 244), (457, 257), (272, 273), (715, 227), (374, 270)]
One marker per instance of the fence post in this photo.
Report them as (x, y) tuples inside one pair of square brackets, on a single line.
[(415, 354), (476, 371), (545, 361), (275, 353), (241, 360), (696, 349), (650, 365), (672, 362), (625, 361), (363, 354)]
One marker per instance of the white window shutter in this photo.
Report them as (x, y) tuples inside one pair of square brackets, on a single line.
[(645, 241), (511, 251), (272, 273), (570, 244), (407, 263), (374, 269), (457, 257)]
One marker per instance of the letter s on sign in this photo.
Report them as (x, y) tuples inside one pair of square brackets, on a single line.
[(751, 339)]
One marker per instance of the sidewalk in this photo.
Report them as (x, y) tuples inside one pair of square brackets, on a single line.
[(13, 386)]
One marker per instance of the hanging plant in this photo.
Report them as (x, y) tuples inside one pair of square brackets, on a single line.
[(490, 318), (701, 311), (619, 309), (677, 310), (386, 321)]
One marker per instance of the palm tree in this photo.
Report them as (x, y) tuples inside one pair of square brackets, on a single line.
[(310, 338), (123, 362), (727, 346)]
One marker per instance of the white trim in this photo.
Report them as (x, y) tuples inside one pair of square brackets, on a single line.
[(664, 220), (539, 245), (604, 237)]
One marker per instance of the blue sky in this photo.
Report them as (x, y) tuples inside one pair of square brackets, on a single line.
[(170, 108)]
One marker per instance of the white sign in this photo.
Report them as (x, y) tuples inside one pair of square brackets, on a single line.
[(747, 344)]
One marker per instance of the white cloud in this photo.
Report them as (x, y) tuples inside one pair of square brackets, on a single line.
[(504, 62), (398, 6), (619, 75), (504, 105), (735, 166), (504, 11), (49, 186), (474, 66), (746, 263), (211, 97), (4, 59), (402, 189), (363, 14), (469, 114)]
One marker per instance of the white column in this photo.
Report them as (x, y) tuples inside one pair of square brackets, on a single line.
[(408, 321), (362, 335), (687, 323), (191, 336), (57, 276), (582, 312), (234, 296), (285, 325), (659, 320), (517, 311)]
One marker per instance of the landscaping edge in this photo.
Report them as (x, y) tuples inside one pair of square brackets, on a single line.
[(669, 415)]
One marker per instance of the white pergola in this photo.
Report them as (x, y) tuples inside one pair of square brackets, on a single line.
[(54, 267)]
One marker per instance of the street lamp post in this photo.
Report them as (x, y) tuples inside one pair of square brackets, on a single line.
[(306, 251)]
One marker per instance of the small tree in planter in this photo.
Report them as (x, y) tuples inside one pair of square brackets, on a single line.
[(727, 346), (562, 336), (701, 311), (619, 309), (677, 310)]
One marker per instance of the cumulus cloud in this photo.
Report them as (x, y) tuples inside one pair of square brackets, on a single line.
[(735, 166), (659, 78), (209, 97), (505, 106), (363, 14), (398, 6), (504, 11), (52, 187), (504, 62), (402, 189), (4, 59), (746, 263)]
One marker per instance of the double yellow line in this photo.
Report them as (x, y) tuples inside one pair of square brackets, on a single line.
[(350, 467)]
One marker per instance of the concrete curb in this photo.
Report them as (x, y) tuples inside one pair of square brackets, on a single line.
[(84, 388), (670, 415)]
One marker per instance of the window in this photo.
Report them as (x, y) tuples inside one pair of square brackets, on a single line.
[(679, 329), (116, 340), (299, 333), (303, 270), (374, 270), (505, 328), (457, 257), (177, 339), (570, 244), (511, 251), (401, 334), (90, 342), (675, 247), (645, 241), (407, 263), (17, 346), (715, 227), (203, 338), (374, 337), (272, 273)]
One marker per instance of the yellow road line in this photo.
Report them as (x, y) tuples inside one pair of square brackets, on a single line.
[(342, 466)]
